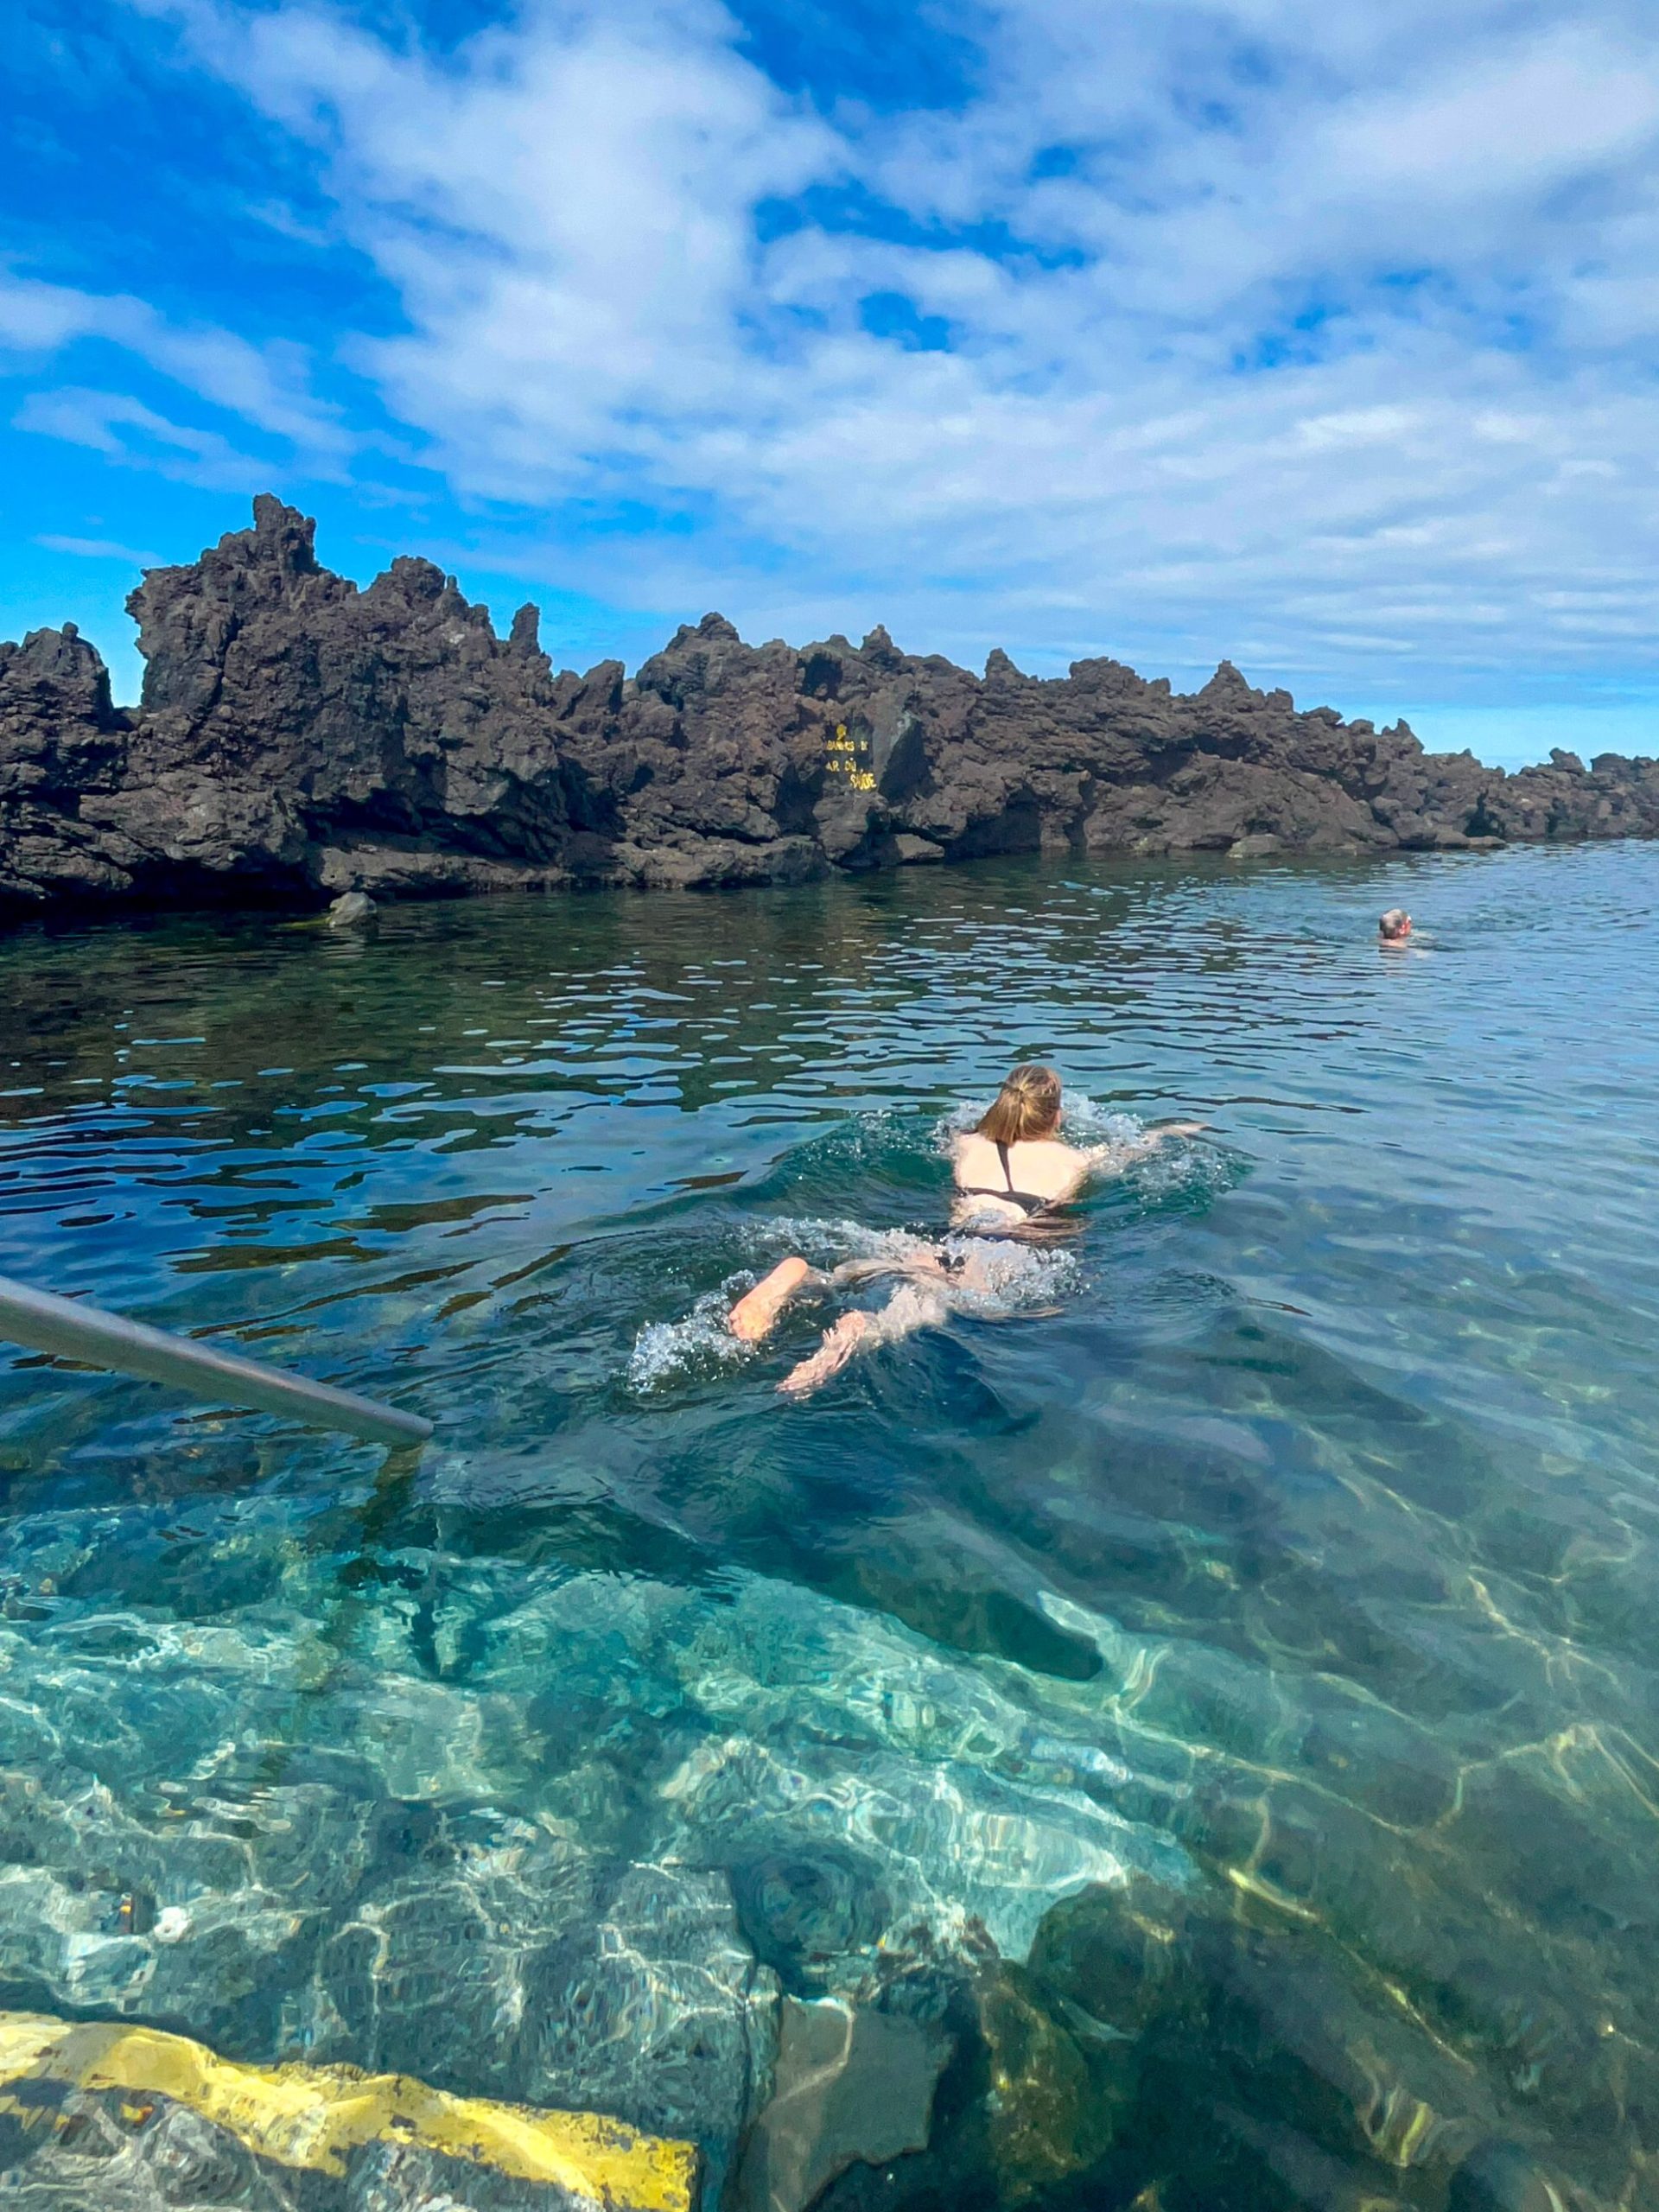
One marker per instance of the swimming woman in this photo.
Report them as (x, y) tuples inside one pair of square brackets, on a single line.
[(1012, 1173)]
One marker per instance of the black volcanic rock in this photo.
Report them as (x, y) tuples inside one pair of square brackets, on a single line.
[(299, 738), (385, 733), (62, 747)]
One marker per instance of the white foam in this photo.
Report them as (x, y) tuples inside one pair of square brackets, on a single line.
[(699, 1344), (991, 1279), (1006, 1276), (1085, 1122), (826, 1240)]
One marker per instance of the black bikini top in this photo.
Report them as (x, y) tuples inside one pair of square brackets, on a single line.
[(1027, 1200)]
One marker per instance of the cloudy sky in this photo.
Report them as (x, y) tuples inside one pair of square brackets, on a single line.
[(1319, 333)]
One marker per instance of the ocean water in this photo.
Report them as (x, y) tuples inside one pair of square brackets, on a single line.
[(1208, 1680)]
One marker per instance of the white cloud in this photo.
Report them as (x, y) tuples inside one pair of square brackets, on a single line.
[(100, 549), (1552, 107), (1325, 332), (124, 429), (264, 386), (567, 217)]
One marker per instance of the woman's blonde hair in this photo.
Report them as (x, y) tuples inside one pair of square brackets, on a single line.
[(1028, 1105)]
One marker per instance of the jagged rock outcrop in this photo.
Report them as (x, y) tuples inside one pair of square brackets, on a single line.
[(299, 738), (63, 746), (291, 721)]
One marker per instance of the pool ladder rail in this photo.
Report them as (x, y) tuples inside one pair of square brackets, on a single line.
[(70, 1330)]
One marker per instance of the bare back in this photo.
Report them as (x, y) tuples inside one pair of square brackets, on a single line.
[(1010, 1177)]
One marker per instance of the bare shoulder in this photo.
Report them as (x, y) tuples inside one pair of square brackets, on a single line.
[(1080, 1154), (1059, 1157), (1050, 1167)]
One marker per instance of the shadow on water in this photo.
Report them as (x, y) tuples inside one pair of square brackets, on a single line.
[(1210, 1685)]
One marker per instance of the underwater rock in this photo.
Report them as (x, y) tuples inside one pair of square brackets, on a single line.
[(851, 2085), (1268, 2162), (805, 1912), (116, 2117), (1501, 2177), (1321, 2078), (299, 736), (517, 1882), (1113, 1964), (1054, 2105), (657, 2011), (556, 1836)]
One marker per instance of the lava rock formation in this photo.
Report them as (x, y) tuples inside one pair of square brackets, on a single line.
[(298, 739)]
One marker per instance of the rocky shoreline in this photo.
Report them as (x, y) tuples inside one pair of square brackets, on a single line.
[(300, 738)]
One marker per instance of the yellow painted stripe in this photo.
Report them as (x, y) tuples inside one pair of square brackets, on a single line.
[(312, 2116)]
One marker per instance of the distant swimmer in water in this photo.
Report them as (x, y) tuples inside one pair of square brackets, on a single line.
[(1012, 1173), (1395, 926)]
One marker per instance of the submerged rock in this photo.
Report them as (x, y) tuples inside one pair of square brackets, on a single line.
[(852, 2085), (298, 734), (656, 2011), (111, 2116), (1052, 2111), (517, 1882), (1500, 2176)]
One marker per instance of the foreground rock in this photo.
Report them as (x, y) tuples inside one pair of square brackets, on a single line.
[(300, 740), (851, 2085)]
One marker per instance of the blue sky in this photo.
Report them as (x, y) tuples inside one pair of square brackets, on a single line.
[(1321, 336)]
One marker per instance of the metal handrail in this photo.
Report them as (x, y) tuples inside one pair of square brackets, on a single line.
[(72, 1331)]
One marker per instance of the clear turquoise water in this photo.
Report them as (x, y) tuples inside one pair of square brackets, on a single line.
[(1219, 1683)]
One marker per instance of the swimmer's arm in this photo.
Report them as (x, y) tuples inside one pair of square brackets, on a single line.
[(959, 1160), (1123, 1155)]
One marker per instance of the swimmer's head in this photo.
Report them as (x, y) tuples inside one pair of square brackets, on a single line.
[(1027, 1106), (1393, 925)]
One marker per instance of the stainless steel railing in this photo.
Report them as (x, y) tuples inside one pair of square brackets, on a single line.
[(63, 1326)]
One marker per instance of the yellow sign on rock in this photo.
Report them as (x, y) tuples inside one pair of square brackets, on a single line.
[(849, 756), (314, 2116)]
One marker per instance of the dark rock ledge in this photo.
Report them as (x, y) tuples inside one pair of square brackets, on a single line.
[(299, 738)]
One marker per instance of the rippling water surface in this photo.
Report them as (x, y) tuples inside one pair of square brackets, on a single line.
[(1211, 1689)]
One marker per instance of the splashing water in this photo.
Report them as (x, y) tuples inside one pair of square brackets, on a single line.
[(699, 1345), (988, 1276)]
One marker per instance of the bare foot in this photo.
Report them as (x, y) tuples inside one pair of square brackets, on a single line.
[(1180, 1130), (838, 1346), (755, 1312)]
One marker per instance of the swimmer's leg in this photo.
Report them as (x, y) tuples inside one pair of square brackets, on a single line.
[(918, 1266), (838, 1346), (910, 1309), (758, 1309)]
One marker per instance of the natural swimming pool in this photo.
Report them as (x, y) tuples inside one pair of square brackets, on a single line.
[(1213, 1700)]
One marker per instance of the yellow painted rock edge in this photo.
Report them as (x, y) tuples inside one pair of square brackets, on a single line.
[(314, 2116)]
